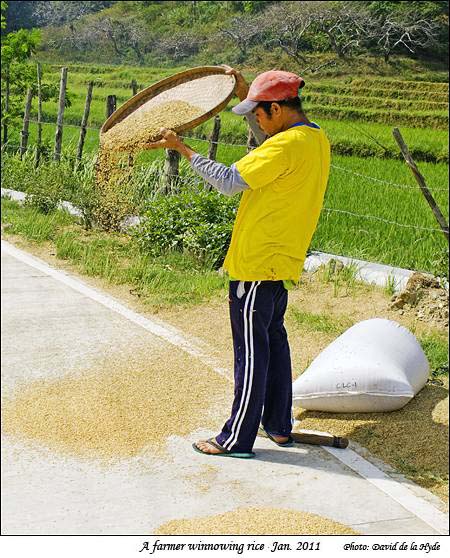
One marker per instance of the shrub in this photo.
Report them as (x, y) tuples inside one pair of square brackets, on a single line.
[(197, 222), (16, 172), (46, 188)]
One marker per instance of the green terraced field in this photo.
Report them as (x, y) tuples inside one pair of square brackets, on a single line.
[(363, 139), (348, 111)]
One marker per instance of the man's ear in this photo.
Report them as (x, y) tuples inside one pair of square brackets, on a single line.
[(275, 108)]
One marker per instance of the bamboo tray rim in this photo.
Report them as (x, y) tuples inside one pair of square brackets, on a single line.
[(163, 85)]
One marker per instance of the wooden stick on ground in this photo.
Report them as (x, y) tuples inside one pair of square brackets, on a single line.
[(319, 439)]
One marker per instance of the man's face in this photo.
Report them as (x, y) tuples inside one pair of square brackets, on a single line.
[(272, 124)]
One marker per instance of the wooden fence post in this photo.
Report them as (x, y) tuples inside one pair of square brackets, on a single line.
[(6, 107), (26, 123), (87, 107), (213, 142), (39, 114), (59, 120), (421, 181), (171, 168), (134, 86), (110, 105), (251, 141)]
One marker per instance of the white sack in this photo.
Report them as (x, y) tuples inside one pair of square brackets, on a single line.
[(376, 365)]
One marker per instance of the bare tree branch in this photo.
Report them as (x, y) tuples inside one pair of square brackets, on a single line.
[(394, 33), (123, 34), (180, 46), (286, 24), (344, 24), (243, 32)]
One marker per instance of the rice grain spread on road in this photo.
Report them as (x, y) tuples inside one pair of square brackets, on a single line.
[(256, 521)]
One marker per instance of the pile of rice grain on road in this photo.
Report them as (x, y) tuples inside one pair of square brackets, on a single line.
[(119, 408), (256, 521), (114, 167)]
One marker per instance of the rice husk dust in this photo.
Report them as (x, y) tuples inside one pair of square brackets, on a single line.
[(115, 160), (256, 521), (119, 408)]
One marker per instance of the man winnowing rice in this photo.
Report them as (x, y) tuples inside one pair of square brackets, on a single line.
[(283, 183)]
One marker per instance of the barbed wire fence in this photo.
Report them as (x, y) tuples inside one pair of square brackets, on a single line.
[(193, 181)]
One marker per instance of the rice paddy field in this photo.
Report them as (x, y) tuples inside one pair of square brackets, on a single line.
[(374, 209)]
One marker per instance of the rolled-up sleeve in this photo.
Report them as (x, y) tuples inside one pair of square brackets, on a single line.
[(226, 180)]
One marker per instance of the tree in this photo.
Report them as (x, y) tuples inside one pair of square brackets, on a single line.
[(16, 49), (286, 24), (345, 24), (20, 15), (396, 32), (60, 12), (123, 34), (178, 47), (243, 32)]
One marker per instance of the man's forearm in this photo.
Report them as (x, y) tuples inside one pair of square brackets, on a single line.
[(187, 152), (226, 180)]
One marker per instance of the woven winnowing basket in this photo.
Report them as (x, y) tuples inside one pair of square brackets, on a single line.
[(206, 87)]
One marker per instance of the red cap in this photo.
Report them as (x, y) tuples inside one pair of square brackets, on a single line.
[(274, 85)]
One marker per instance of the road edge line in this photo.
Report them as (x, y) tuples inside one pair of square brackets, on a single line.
[(394, 489), (166, 332)]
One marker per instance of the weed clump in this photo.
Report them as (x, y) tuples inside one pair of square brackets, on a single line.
[(198, 223)]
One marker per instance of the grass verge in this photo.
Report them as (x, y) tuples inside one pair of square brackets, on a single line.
[(171, 279), (374, 209)]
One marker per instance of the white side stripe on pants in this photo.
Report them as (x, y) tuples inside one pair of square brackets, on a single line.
[(249, 367)]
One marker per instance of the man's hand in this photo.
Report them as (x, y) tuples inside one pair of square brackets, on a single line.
[(241, 85), (170, 140)]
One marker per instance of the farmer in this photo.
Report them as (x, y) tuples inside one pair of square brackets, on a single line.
[(283, 182)]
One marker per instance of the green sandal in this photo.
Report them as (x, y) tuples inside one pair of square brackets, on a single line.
[(224, 452)]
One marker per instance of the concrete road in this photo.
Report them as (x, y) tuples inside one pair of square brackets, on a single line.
[(50, 324)]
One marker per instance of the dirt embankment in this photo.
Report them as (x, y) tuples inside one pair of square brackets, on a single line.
[(426, 297)]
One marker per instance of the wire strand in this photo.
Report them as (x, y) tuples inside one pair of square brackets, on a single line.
[(196, 181), (381, 219), (337, 167), (394, 184)]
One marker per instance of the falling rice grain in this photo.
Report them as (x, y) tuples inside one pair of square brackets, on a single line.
[(142, 126), (115, 160)]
